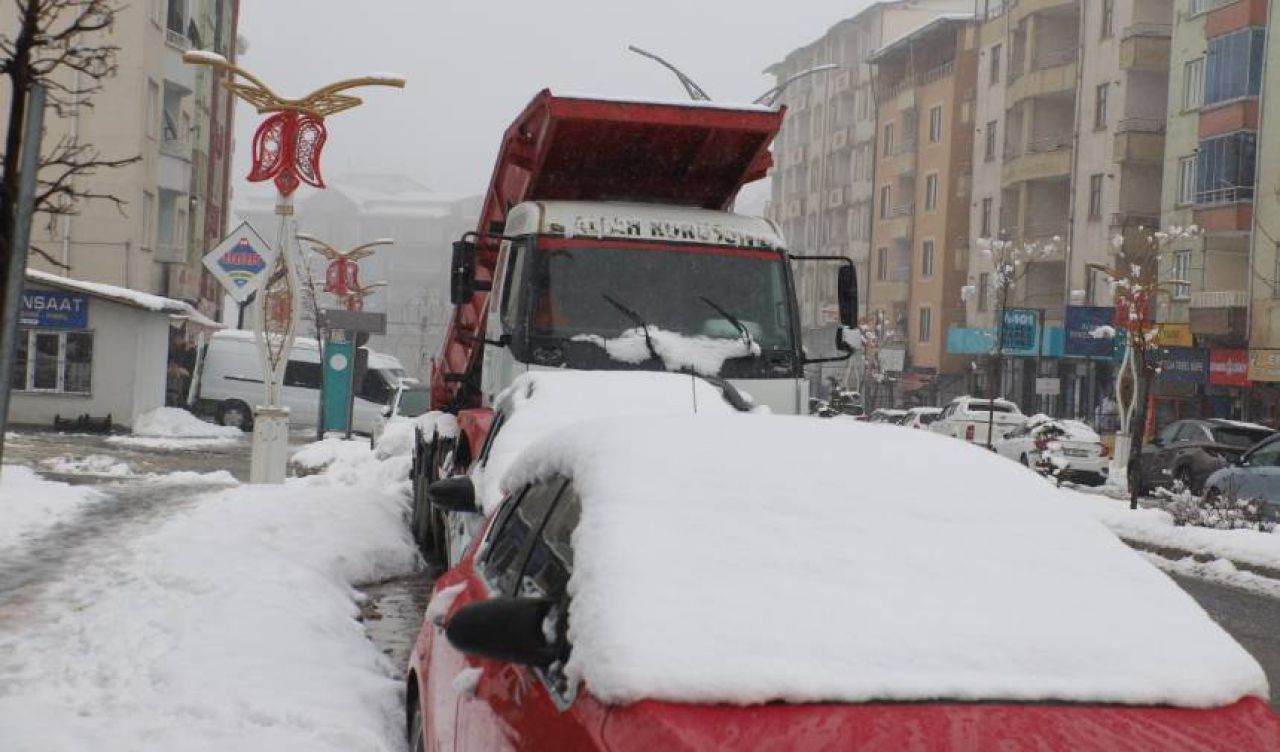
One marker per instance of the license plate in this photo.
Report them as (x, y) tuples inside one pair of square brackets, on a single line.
[(1075, 452)]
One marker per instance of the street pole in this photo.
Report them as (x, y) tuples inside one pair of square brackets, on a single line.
[(19, 242)]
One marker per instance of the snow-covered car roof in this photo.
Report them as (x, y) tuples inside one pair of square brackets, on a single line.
[(752, 558), (539, 402), (1071, 429)]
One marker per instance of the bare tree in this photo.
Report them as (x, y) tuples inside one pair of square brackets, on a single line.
[(61, 44), (1010, 263)]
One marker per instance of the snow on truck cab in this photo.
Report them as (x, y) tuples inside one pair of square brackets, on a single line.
[(606, 242)]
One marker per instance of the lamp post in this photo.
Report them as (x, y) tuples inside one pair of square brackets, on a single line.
[(286, 150), (342, 275)]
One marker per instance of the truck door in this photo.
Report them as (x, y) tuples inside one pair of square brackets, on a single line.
[(500, 366)]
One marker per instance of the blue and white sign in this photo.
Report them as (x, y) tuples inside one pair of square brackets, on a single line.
[(49, 309), (1081, 322), (1021, 332), (240, 262)]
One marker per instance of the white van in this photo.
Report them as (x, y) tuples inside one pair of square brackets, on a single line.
[(230, 382)]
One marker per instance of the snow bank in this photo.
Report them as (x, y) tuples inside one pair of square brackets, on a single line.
[(703, 355), (30, 504), (1155, 527), (397, 438), (233, 626), (320, 454), (176, 423), (708, 567), (436, 422), (539, 402), (97, 465), (172, 445)]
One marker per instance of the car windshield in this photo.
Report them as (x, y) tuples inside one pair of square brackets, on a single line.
[(926, 418), (414, 402), (668, 288), (1239, 437)]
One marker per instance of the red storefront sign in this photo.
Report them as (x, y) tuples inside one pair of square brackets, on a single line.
[(1229, 367)]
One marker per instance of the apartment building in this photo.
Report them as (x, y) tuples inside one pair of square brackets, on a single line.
[(1263, 369), (1070, 112), (824, 156), (177, 119), (924, 84), (1211, 162)]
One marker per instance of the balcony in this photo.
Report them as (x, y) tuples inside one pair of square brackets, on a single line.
[(1050, 229), (1220, 313), (1145, 46), (1053, 162), (1045, 80), (893, 290), (1139, 141), (1023, 8)]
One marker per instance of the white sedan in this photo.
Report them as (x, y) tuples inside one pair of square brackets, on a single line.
[(1064, 449)]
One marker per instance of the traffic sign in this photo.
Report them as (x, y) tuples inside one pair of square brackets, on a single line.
[(240, 262)]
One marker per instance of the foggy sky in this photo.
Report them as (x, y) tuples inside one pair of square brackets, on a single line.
[(473, 65)]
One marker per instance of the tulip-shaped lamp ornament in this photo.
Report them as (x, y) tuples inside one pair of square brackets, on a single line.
[(286, 150)]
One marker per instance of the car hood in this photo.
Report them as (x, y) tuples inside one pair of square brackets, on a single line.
[(646, 726)]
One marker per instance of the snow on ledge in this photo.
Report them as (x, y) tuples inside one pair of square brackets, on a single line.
[(176, 423)]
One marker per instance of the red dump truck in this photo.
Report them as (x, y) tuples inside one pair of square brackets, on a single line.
[(607, 242)]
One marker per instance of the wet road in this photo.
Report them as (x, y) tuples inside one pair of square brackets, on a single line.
[(1254, 620)]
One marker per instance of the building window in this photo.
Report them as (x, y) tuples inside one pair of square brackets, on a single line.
[(153, 109), (1192, 83), (994, 75), (931, 191), (882, 264), (148, 218), (1182, 275), (888, 139), (989, 153), (1234, 67), (925, 329), (1095, 197), (926, 259), (986, 218), (884, 202), (935, 124), (1187, 180), (51, 361), (1100, 106), (984, 292), (1108, 19), (1225, 168)]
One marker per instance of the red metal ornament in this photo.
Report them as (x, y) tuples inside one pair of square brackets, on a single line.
[(342, 277), (286, 148)]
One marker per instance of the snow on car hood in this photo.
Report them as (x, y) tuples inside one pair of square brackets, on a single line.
[(539, 402), (745, 559)]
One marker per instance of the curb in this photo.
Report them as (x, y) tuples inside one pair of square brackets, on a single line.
[(1173, 553)]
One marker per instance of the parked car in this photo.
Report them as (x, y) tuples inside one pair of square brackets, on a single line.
[(968, 417), (410, 399), (231, 382), (683, 583), (920, 417), (1255, 475), (1189, 451), (1064, 449), (886, 415)]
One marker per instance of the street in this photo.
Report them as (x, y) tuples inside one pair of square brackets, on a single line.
[(1250, 618)]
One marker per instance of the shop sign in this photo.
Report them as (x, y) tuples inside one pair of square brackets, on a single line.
[(1264, 365), (1183, 364), (1048, 385), (50, 309), (1081, 321), (1021, 332), (240, 262), (1174, 335), (1229, 367), (893, 359)]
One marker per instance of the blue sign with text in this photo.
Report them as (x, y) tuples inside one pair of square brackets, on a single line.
[(1081, 322), (54, 310), (1021, 332)]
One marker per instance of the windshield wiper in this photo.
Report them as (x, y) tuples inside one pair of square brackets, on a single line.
[(635, 317), (737, 323)]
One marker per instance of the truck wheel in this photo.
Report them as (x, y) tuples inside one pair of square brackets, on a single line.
[(235, 413)]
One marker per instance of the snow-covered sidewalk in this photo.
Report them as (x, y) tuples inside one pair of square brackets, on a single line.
[(232, 625), (30, 504), (1155, 528)]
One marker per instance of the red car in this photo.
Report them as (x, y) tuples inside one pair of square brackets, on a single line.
[(682, 584)]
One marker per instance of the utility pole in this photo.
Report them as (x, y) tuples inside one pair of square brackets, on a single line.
[(16, 269)]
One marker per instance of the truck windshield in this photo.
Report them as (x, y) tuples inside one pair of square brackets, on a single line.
[(666, 287)]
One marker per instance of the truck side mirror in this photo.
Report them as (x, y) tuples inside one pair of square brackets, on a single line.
[(847, 294), (462, 277)]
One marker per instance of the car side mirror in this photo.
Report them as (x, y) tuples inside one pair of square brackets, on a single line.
[(504, 629), (847, 294), (386, 411), (462, 276), (457, 494)]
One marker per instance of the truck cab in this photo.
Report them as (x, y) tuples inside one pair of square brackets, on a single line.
[(626, 286)]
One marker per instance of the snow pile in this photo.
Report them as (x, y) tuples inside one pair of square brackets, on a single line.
[(708, 569), (396, 438), (30, 504), (678, 352), (166, 444), (233, 626), (99, 465), (176, 423), (436, 422), (539, 402), (1155, 527), (320, 454), (1062, 428)]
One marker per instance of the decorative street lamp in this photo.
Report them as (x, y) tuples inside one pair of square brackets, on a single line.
[(342, 275), (286, 150)]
